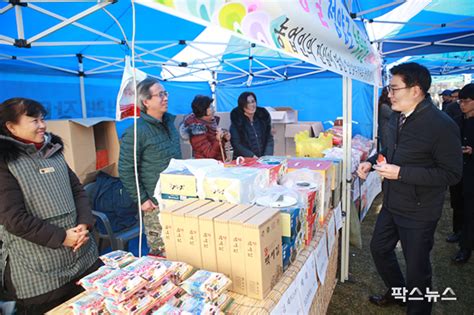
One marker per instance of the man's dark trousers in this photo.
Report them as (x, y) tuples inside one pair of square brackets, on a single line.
[(417, 239)]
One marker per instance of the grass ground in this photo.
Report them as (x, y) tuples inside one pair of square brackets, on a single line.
[(351, 297)]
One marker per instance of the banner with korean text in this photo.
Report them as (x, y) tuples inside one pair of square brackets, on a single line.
[(320, 32)]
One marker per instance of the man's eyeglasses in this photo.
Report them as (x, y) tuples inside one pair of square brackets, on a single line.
[(393, 90), (162, 94), (463, 100)]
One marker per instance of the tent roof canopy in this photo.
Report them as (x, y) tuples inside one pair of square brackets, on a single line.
[(91, 38), (402, 28)]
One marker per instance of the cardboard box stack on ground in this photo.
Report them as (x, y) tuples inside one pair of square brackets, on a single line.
[(281, 116), (88, 143), (324, 168)]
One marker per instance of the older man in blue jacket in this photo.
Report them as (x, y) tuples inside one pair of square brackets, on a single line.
[(423, 156)]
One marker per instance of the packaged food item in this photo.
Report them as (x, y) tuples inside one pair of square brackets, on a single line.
[(167, 309), (118, 258), (205, 284), (90, 304), (120, 284), (88, 282), (195, 305), (150, 269), (180, 271)]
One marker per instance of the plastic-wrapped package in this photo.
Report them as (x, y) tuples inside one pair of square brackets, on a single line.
[(234, 185), (150, 269), (118, 258), (194, 305), (88, 282), (168, 309), (143, 300), (120, 284), (180, 271), (90, 304), (205, 284)]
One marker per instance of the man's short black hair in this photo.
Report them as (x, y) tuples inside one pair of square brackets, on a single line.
[(467, 92), (413, 74), (200, 105)]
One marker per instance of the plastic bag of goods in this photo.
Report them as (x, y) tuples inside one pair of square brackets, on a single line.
[(150, 269), (88, 282), (206, 284), (89, 304), (117, 259)]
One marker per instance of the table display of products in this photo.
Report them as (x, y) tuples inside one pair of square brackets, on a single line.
[(146, 284)]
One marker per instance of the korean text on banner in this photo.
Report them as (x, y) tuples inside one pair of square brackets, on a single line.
[(320, 32)]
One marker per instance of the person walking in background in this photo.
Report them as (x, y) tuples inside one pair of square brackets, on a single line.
[(157, 143), (385, 111), (446, 97), (44, 212), (453, 110), (423, 156), (201, 127), (466, 239), (251, 128)]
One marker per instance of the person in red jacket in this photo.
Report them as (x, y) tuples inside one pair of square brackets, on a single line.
[(207, 139)]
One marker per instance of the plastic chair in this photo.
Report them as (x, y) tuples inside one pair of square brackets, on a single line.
[(119, 239)]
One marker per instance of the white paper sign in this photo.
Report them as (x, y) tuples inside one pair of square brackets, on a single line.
[(338, 216), (307, 283), (290, 302), (331, 233), (321, 256)]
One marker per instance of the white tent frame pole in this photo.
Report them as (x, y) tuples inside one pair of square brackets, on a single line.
[(7, 40), (306, 74), (376, 116), (75, 43), (380, 7), (405, 49), (6, 8), (347, 176), (68, 21), (19, 22), (46, 65), (268, 68), (84, 27), (82, 86)]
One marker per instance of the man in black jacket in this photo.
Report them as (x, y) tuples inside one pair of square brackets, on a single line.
[(423, 156)]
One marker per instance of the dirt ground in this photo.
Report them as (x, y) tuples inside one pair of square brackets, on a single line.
[(351, 297)]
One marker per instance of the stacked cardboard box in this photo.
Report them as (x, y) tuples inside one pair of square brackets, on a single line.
[(240, 241), (326, 169)]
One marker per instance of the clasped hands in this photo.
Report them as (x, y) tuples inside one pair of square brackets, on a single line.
[(76, 237)]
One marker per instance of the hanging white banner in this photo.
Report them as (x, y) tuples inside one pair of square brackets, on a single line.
[(320, 32)]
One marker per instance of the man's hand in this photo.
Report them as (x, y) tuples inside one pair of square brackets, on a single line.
[(364, 169), (388, 171), (148, 206), (467, 150)]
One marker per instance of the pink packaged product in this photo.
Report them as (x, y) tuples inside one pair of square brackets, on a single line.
[(180, 270), (118, 259), (150, 269), (90, 304), (88, 282), (120, 284), (168, 309)]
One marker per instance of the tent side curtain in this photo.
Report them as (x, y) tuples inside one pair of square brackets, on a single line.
[(61, 95), (315, 99)]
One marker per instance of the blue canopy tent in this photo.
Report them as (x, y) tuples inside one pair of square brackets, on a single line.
[(436, 33), (70, 57), (38, 55)]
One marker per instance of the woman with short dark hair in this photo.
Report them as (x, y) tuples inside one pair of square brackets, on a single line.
[(251, 128), (206, 138), (44, 211)]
